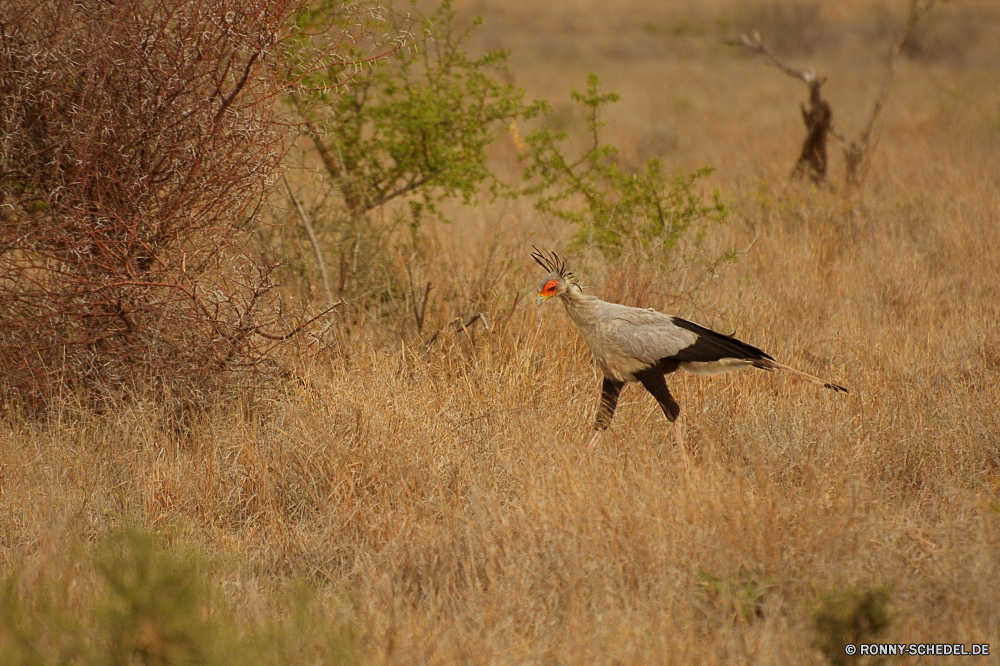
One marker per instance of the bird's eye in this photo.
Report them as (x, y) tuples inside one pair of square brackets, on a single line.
[(550, 287)]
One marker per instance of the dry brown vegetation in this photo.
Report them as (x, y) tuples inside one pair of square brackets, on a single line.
[(126, 138), (438, 498)]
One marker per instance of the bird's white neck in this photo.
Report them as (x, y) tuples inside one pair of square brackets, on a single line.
[(578, 304)]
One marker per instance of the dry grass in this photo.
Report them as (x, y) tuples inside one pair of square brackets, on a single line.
[(439, 499)]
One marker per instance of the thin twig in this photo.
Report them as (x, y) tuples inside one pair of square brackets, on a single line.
[(459, 324), (858, 152), (297, 329), (754, 43), (307, 224), (419, 306)]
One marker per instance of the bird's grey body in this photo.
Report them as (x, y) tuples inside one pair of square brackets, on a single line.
[(626, 340), (643, 345), (623, 340)]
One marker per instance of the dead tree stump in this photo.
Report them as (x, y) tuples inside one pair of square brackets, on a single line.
[(812, 160), (819, 117)]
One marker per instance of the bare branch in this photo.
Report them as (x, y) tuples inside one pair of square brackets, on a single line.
[(459, 324), (307, 225), (302, 326), (755, 44), (858, 153)]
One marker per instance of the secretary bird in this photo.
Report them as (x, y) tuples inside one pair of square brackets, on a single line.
[(643, 345)]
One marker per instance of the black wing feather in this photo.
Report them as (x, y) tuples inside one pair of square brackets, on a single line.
[(711, 346)]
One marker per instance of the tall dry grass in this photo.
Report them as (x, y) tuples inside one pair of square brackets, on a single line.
[(438, 498)]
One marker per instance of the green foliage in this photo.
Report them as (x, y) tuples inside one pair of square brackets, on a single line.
[(416, 123), (853, 616), (609, 205), (415, 128), (744, 594), (157, 604), (412, 127), (39, 630), (152, 606)]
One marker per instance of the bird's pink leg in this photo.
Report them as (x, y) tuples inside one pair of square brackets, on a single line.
[(680, 444), (595, 439)]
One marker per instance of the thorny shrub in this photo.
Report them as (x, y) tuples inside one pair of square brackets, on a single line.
[(138, 143)]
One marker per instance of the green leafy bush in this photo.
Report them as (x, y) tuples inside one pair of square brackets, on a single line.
[(610, 205), (418, 123), (414, 129)]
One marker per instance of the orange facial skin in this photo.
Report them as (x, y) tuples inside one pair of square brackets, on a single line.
[(550, 289)]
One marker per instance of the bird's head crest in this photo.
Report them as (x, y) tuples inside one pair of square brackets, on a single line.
[(553, 263)]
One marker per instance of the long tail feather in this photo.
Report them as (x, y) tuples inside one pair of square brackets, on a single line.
[(805, 375)]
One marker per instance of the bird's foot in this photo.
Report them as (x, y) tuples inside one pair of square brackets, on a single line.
[(595, 439)]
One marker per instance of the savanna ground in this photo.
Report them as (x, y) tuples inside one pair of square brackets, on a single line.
[(435, 502)]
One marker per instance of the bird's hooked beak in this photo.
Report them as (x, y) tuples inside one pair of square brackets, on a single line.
[(541, 299)]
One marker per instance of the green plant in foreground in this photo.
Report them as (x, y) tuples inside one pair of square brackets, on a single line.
[(157, 607), (609, 205), (853, 616), (152, 605)]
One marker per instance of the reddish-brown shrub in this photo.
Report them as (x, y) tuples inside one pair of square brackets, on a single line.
[(138, 141)]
